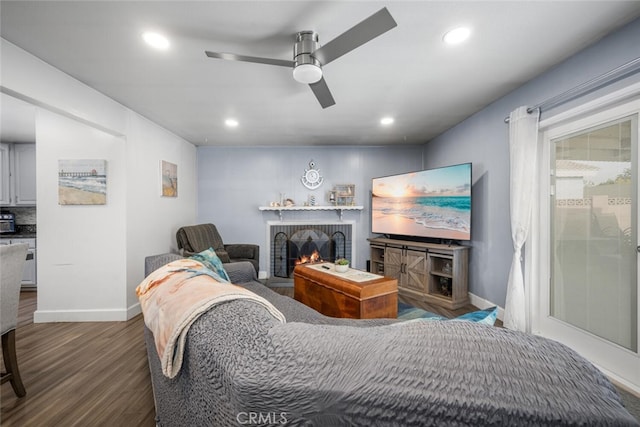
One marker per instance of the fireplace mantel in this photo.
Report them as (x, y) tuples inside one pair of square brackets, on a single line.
[(339, 209)]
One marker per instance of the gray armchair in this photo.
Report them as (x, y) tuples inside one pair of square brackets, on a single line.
[(197, 238)]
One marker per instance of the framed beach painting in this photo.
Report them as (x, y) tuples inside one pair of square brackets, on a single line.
[(82, 182), (168, 179)]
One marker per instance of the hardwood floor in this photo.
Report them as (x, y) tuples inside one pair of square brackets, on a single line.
[(79, 374), (90, 374)]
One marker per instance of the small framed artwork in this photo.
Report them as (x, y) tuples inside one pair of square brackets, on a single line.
[(82, 182), (168, 179)]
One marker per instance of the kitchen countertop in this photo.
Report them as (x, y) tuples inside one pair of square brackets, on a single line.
[(18, 236)]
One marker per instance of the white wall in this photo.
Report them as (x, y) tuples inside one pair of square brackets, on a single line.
[(80, 248), (91, 258), (152, 221)]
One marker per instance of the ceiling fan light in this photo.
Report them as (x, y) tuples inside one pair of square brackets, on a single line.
[(307, 73), (156, 40), (457, 35)]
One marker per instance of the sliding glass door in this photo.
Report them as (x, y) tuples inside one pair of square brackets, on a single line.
[(590, 252), (593, 274)]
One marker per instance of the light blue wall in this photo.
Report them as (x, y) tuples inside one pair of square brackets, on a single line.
[(483, 140), (234, 182)]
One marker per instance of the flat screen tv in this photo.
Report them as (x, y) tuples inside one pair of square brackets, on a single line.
[(430, 204)]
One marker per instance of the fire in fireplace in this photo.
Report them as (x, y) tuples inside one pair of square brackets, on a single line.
[(306, 259), (295, 244)]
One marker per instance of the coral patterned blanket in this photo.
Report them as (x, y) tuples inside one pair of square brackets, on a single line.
[(174, 296)]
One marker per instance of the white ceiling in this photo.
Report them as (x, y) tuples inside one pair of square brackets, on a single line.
[(407, 73), (17, 120)]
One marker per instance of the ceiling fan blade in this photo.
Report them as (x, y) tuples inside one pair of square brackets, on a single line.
[(322, 92), (375, 25), (244, 58)]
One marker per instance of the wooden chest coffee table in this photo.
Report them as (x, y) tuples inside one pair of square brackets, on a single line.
[(355, 294)]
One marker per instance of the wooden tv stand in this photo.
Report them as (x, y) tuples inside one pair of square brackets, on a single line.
[(430, 272)]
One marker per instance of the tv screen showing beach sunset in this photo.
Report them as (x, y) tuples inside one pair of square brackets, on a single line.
[(432, 203)]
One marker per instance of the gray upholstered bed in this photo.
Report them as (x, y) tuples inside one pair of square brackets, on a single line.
[(242, 367)]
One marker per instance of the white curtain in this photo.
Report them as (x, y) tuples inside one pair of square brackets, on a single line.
[(523, 140)]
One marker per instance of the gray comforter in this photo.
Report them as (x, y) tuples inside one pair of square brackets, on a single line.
[(241, 367)]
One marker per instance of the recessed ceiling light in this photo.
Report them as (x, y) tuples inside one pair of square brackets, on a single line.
[(457, 35), (232, 123), (386, 121), (156, 40)]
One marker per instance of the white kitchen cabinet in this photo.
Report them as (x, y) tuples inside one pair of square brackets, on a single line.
[(18, 175), (24, 161), (5, 175)]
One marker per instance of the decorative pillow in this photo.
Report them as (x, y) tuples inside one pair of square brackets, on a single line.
[(210, 259), (223, 255), (240, 251)]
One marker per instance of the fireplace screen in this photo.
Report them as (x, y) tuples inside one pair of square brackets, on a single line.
[(295, 244)]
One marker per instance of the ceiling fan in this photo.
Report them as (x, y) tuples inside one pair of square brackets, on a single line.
[(309, 57)]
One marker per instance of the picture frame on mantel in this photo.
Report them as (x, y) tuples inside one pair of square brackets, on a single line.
[(168, 179)]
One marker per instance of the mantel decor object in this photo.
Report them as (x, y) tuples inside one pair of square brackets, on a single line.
[(343, 195), (312, 178)]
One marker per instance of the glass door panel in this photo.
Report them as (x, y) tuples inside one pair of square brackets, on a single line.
[(593, 237)]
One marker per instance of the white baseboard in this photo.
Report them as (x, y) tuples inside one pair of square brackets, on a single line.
[(620, 382), (482, 303), (134, 310), (52, 316), (108, 315)]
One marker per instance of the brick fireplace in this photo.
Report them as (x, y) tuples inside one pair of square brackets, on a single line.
[(290, 243)]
